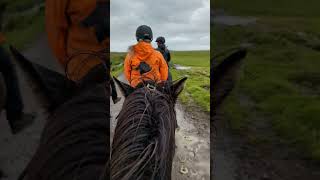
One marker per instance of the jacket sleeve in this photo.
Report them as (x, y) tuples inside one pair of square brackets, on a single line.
[(57, 27), (163, 68), (127, 67)]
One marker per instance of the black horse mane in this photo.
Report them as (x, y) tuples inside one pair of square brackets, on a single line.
[(75, 141), (143, 144)]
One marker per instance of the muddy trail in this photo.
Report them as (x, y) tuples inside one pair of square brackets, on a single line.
[(236, 157), (192, 158)]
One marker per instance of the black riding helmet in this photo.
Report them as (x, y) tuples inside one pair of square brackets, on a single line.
[(144, 32), (161, 40)]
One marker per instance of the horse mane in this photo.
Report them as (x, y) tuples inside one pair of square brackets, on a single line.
[(75, 140), (144, 139)]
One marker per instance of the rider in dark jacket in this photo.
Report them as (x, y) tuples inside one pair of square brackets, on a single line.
[(165, 52)]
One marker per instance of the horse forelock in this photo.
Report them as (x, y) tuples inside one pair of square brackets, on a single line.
[(143, 144)]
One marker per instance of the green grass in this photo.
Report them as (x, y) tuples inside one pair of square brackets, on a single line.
[(197, 90), (269, 7), (20, 38), (20, 30), (281, 73), (117, 60), (21, 5)]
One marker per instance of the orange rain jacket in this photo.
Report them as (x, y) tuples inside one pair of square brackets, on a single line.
[(2, 38), (67, 36), (144, 52)]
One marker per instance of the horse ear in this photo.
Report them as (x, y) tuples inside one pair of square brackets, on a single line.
[(225, 75), (178, 86), (125, 88), (51, 88)]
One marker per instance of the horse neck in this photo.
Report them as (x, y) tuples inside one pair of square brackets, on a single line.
[(74, 142), (143, 144)]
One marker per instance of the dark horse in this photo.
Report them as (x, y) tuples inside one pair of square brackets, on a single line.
[(144, 141), (74, 144)]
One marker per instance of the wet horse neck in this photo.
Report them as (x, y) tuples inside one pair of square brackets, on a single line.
[(143, 144), (74, 143)]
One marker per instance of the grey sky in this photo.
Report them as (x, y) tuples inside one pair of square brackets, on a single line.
[(184, 23)]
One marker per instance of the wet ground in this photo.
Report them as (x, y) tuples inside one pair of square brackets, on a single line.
[(192, 158), (179, 67), (219, 17)]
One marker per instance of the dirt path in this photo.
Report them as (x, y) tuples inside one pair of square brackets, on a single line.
[(17, 150), (192, 140)]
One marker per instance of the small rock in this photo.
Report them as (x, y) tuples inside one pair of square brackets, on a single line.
[(182, 159), (192, 154), (184, 170), (187, 138)]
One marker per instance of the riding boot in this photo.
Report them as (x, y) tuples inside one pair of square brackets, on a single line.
[(114, 93), (14, 106)]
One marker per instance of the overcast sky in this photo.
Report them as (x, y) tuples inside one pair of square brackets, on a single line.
[(184, 23)]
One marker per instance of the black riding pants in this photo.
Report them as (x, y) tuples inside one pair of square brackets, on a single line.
[(114, 93)]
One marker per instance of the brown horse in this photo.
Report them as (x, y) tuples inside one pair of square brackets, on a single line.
[(144, 141), (75, 141)]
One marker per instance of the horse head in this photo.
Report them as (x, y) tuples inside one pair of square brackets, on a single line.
[(75, 141), (144, 140)]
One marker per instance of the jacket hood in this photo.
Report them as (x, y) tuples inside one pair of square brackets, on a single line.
[(143, 50)]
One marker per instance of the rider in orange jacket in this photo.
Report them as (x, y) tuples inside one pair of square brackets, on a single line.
[(143, 62), (75, 27)]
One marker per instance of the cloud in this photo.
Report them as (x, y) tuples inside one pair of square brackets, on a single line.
[(184, 23)]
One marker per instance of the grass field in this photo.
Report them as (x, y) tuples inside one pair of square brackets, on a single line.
[(197, 91), (281, 77), (278, 8), (22, 26)]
